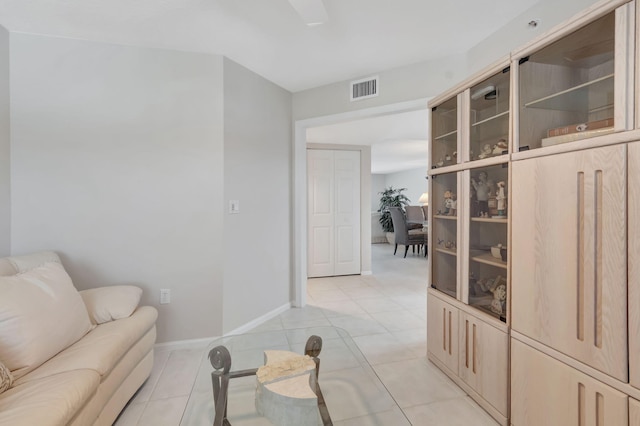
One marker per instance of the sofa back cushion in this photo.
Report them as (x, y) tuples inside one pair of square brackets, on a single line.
[(6, 267), (106, 304), (41, 313), (17, 264)]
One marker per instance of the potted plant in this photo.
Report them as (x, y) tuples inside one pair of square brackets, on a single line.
[(391, 197)]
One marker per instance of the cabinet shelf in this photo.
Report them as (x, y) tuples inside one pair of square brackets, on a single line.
[(489, 220), (441, 216), (450, 252), (446, 135), (487, 120), (575, 98), (488, 259)]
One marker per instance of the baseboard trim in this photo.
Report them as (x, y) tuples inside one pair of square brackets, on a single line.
[(260, 320), (205, 341)]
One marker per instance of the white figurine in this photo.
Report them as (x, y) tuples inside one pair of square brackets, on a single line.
[(502, 199)]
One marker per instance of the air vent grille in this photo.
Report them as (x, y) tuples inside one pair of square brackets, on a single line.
[(365, 88)]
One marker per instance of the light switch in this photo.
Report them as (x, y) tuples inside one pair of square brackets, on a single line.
[(234, 206)]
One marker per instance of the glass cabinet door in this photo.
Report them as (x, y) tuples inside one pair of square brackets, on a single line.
[(488, 236), (489, 117), (444, 242), (567, 88), (444, 133)]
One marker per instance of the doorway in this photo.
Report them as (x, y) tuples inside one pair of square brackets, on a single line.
[(300, 219)]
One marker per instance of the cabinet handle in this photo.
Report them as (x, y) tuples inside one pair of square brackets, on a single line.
[(599, 409), (450, 333), (466, 344), (474, 349), (597, 273), (444, 329), (580, 248), (581, 404)]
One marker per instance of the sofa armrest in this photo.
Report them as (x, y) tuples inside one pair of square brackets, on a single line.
[(106, 304)]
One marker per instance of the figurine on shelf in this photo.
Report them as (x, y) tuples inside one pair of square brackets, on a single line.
[(450, 245), (453, 205), (500, 147), (447, 158), (447, 202), (482, 189), (499, 291), (440, 163), (502, 199), (486, 151)]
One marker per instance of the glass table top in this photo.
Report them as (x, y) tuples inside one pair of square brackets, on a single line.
[(349, 385)]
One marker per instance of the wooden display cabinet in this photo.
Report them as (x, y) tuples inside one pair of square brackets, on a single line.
[(444, 133), (489, 117), (444, 237), (567, 88)]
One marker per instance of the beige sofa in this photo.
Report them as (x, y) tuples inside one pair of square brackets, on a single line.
[(86, 382)]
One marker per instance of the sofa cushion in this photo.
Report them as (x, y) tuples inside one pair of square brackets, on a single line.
[(101, 349), (6, 379), (50, 401), (106, 304), (41, 313), (27, 262)]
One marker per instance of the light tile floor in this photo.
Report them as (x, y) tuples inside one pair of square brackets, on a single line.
[(385, 313)]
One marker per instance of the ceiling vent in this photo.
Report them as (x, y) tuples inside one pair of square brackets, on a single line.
[(365, 88)]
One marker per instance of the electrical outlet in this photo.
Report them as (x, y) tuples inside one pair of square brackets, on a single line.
[(165, 296)]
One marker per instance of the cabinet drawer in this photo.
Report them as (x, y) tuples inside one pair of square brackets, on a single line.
[(547, 392)]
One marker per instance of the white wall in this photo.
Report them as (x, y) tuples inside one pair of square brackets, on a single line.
[(397, 85), (414, 180), (378, 183), (117, 164), (257, 158), (5, 165)]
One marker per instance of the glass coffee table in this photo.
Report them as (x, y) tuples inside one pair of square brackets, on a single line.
[(349, 385)]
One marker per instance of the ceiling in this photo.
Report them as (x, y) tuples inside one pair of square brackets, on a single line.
[(398, 141), (269, 37)]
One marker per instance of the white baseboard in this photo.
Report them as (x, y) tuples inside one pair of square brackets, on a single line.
[(205, 341), (260, 320), (185, 344)]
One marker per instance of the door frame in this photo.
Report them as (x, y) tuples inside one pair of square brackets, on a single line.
[(299, 231)]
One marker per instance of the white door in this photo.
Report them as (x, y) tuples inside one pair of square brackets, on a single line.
[(333, 191)]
